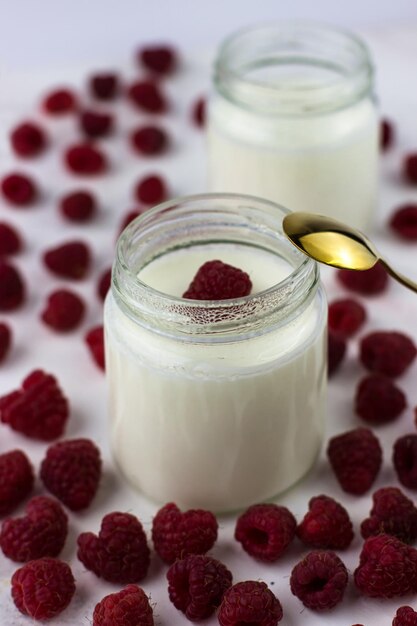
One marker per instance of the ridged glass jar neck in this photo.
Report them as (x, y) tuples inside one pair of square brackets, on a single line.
[(210, 219), (293, 69)]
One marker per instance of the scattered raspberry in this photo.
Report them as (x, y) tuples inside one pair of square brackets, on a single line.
[(388, 353), (367, 282), (38, 410), (405, 616), (64, 310), (128, 607), (129, 217), (336, 350), (120, 553), (387, 568), (104, 284), (12, 288), (327, 525), (346, 316), (149, 140), (151, 190), (16, 480), (378, 400), (28, 140), (69, 260), (147, 96), (85, 160), (10, 242), (405, 460), (5, 340), (410, 168), (196, 585), (251, 603), (43, 588), (198, 112), (19, 189), (161, 60), (104, 86), (216, 280), (60, 101), (319, 580), (386, 134), (176, 534), (265, 531), (78, 206), (356, 458), (71, 471), (403, 222), (96, 124), (95, 342), (41, 533), (393, 514)]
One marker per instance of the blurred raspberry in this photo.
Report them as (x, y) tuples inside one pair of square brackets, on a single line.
[(378, 400), (319, 580), (85, 160), (403, 222), (151, 190), (12, 287), (5, 340), (64, 310), (19, 190), (59, 102), (367, 282), (43, 588), (405, 616), (159, 59), (128, 607), (120, 553), (78, 206), (410, 168), (71, 471), (405, 460), (265, 531), (327, 525), (392, 513), (104, 283), (387, 353), (69, 260), (149, 140), (147, 96), (10, 241), (28, 139), (95, 342), (356, 458), (198, 112), (104, 86), (216, 280), (387, 133), (346, 316), (249, 602), (336, 350), (96, 124), (16, 480)]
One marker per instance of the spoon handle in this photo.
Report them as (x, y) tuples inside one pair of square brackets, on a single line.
[(399, 277)]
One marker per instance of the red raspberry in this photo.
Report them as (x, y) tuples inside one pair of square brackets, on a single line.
[(38, 410), (336, 350), (71, 471), (151, 190), (149, 140), (12, 288), (346, 316), (104, 86), (356, 458), (41, 533), (198, 112), (16, 480), (96, 124), (387, 133), (327, 525), (319, 580), (60, 101), (378, 400), (95, 342), (410, 168), (216, 280), (19, 189), (78, 206), (196, 585), (28, 140), (176, 534), (387, 353), (69, 260), (251, 603), (64, 310), (405, 460), (387, 568), (85, 160), (147, 96), (129, 217), (43, 588), (393, 514), (265, 531), (367, 282), (5, 340), (128, 607), (10, 242), (403, 222), (159, 59), (120, 553), (104, 284), (405, 616)]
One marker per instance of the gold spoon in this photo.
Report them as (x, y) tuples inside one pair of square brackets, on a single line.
[(334, 243)]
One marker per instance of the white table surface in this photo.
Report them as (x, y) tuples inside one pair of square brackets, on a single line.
[(395, 51)]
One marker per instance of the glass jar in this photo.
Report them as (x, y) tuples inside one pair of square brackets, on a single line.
[(293, 119), (214, 404)]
